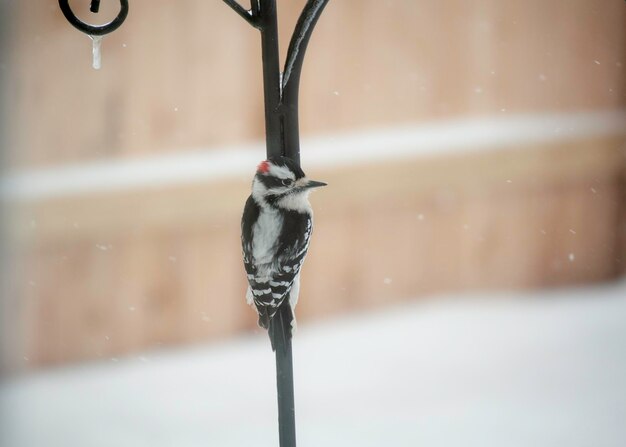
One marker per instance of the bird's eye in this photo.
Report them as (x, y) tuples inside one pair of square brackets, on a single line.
[(287, 182)]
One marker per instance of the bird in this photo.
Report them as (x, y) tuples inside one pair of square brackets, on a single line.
[(276, 229)]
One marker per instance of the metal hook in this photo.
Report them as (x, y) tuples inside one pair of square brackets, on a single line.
[(94, 30)]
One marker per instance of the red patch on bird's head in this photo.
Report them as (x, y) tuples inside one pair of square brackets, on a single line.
[(263, 167)]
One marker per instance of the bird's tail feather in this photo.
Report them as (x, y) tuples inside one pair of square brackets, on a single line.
[(264, 318), (280, 327)]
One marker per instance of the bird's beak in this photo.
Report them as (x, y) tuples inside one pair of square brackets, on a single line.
[(314, 184)]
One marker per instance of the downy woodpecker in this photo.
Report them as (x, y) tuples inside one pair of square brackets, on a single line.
[(275, 233)]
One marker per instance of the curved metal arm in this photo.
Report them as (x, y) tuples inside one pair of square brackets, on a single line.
[(291, 76), (94, 30), (249, 16), (300, 39)]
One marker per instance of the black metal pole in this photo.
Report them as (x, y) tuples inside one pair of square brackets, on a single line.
[(283, 138), (268, 25), (285, 391), (282, 133), (284, 380), (266, 19)]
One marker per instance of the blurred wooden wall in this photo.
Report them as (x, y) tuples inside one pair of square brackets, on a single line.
[(187, 75), (108, 274)]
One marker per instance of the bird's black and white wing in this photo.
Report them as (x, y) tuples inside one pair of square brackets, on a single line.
[(271, 284)]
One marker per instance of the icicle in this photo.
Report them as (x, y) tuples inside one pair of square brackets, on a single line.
[(97, 57)]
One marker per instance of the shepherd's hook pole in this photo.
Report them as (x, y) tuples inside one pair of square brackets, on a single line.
[(282, 137)]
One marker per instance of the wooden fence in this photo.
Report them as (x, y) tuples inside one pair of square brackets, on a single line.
[(105, 274)]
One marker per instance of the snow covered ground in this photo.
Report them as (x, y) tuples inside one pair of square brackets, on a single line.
[(505, 370)]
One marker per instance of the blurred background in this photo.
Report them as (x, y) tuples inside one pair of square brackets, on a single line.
[(475, 223)]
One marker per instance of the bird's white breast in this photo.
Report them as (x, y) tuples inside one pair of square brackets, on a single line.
[(265, 233)]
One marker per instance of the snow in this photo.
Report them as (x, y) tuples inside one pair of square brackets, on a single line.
[(506, 369), (96, 52)]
